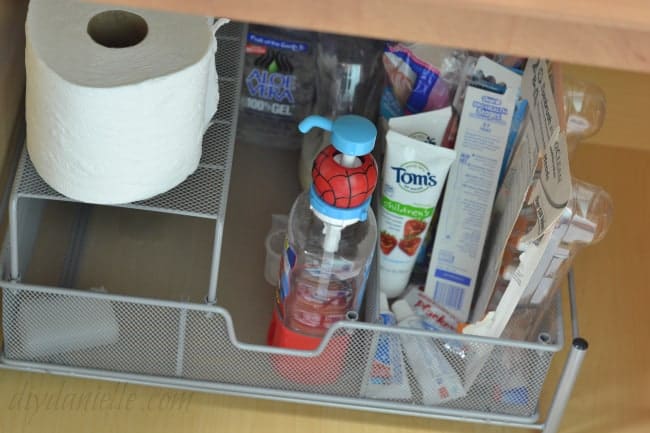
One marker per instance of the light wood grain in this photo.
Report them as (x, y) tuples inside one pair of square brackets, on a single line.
[(613, 391), (585, 32)]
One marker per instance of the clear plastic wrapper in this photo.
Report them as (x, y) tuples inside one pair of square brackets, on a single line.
[(348, 69), (582, 105), (585, 221), (585, 109)]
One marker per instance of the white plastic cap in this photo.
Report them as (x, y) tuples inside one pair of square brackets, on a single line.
[(383, 302), (402, 310)]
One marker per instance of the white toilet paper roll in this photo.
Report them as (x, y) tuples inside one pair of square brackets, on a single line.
[(117, 98)]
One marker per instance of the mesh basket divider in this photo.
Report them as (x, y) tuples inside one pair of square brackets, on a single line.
[(203, 194), (75, 248), (182, 327)]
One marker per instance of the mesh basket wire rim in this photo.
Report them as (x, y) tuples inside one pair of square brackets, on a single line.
[(476, 400), (359, 403), (341, 326)]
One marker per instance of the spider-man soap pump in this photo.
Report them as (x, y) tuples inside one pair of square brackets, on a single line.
[(331, 237)]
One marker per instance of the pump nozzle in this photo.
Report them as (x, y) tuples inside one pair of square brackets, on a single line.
[(315, 121), (351, 134)]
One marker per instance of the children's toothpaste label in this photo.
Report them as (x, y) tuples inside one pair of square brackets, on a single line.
[(414, 173), (406, 210), (404, 225), (407, 238)]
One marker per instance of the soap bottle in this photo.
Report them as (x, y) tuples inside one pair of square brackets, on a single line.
[(331, 237)]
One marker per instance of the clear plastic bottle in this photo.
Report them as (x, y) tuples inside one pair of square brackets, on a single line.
[(331, 237), (325, 286)]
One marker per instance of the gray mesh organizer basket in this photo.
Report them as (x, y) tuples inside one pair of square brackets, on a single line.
[(187, 345)]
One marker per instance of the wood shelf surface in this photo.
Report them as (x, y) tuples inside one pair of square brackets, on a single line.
[(591, 32)]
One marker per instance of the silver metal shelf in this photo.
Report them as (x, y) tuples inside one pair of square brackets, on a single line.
[(203, 194), (200, 195)]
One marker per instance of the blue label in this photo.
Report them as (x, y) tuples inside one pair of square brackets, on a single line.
[(423, 87), (426, 78), (518, 117), (386, 361), (450, 276), (402, 175), (515, 396), (278, 44), (387, 319), (288, 263), (490, 108), (383, 350), (389, 106), (272, 86)]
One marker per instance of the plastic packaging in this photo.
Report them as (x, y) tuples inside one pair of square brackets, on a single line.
[(414, 83), (278, 88), (584, 108), (331, 237), (530, 292), (437, 379), (512, 387), (537, 194), (473, 178), (414, 175), (435, 318), (274, 245), (537, 183), (347, 70), (385, 375), (585, 221), (428, 127)]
